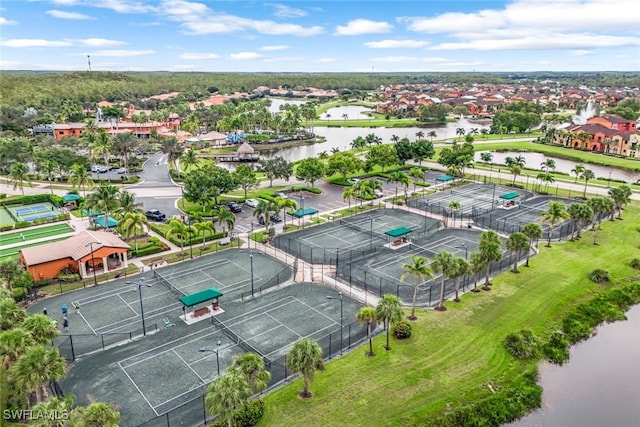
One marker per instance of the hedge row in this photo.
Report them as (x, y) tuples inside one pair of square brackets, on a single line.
[(161, 230)]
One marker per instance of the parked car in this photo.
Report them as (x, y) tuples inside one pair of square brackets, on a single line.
[(233, 207), (353, 180), (378, 193), (281, 194), (95, 168), (155, 215), (252, 203), (275, 219), (103, 169), (122, 171)]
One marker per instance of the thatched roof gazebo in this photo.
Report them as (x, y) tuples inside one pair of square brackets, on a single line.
[(246, 152)]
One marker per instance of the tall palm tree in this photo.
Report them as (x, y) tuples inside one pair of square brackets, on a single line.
[(225, 218), (131, 223), (556, 212), (180, 230), (460, 270), (491, 251), (13, 344), (104, 199), (227, 395), (285, 204), (598, 206), (443, 263), (53, 405), (101, 146), (204, 227), (127, 203), (96, 414), (548, 165), (349, 193), (477, 264), (419, 271), (264, 210), (41, 328), (18, 174), (432, 134), (621, 197), (123, 144), (487, 157), (578, 170), (251, 367), (516, 243), (389, 311), (367, 315), (305, 356), (416, 175), (80, 177), (455, 207), (399, 178), (533, 231), (189, 160), (36, 367), (587, 175)]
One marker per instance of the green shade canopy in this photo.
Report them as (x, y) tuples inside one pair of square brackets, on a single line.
[(110, 222), (200, 297), (91, 212), (302, 212), (397, 232), (70, 197), (510, 196), (445, 178)]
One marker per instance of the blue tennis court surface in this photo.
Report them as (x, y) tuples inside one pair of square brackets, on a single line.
[(31, 213)]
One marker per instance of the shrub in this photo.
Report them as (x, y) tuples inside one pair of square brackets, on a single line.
[(68, 277), (247, 417), (6, 227), (401, 330), (557, 348), (522, 345), (635, 263), (599, 276)]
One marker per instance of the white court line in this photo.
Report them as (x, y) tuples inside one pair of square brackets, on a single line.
[(138, 388), (319, 312), (127, 321), (244, 318), (306, 336), (88, 324), (123, 300), (189, 366), (285, 326)]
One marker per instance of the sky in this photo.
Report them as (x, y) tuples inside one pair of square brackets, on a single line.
[(320, 36)]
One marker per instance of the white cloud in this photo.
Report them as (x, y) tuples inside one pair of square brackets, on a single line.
[(325, 60), (65, 2), (98, 42), (273, 48), (283, 11), (5, 21), (199, 56), (185, 67), (245, 56), (362, 26), (124, 6), (582, 52), (60, 14), (25, 43), (396, 59), (10, 65), (122, 53), (397, 44)]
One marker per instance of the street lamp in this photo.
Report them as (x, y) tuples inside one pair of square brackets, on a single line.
[(371, 219), (216, 351), (341, 318), (93, 262), (251, 259), (493, 199), (139, 286)]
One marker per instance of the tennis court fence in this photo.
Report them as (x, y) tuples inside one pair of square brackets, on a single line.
[(76, 345), (167, 284), (239, 341), (193, 412)]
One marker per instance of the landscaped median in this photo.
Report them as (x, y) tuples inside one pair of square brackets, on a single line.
[(456, 358)]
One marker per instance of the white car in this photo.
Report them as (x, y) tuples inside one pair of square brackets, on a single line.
[(281, 195), (122, 170), (353, 180), (378, 193), (252, 203)]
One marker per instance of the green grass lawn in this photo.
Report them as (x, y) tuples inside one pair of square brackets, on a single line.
[(35, 233), (12, 253), (454, 355)]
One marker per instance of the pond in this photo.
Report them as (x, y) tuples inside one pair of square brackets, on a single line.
[(600, 386), (534, 160)]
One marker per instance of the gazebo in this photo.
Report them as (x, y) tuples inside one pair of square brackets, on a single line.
[(245, 152), (204, 312), (400, 236), (509, 199), (444, 179)]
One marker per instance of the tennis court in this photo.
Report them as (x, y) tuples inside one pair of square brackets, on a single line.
[(30, 213), (325, 243), (35, 233), (379, 272)]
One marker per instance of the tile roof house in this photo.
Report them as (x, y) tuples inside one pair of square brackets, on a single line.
[(81, 253)]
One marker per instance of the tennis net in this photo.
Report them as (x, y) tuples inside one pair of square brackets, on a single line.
[(239, 341), (364, 226), (167, 284)]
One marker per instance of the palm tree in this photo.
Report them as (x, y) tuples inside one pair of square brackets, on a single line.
[(598, 207), (13, 344), (419, 135), (180, 230), (460, 270), (127, 203), (516, 243), (587, 174), (516, 170), (123, 143), (476, 265), (284, 204), (399, 178), (103, 199), (533, 231), (416, 175), (389, 311), (41, 328), (80, 177), (349, 193), (455, 207), (548, 165), (131, 223), (487, 157), (36, 367), (555, 213), (97, 414), (101, 146), (227, 395), (203, 228), (491, 251), (460, 132), (419, 271), (432, 134), (621, 197), (189, 159), (53, 405), (224, 218), (367, 315), (12, 313), (305, 357), (578, 170), (18, 174), (443, 263), (251, 367)]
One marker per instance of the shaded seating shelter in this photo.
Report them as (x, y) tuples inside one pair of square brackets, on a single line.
[(70, 197), (444, 179), (192, 300), (111, 222), (509, 199), (303, 212), (399, 234)]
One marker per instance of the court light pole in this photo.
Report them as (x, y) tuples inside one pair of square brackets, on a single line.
[(371, 233), (139, 286), (341, 318), (251, 259), (216, 351), (93, 260), (493, 199)]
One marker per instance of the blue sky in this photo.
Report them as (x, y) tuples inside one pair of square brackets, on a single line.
[(320, 36)]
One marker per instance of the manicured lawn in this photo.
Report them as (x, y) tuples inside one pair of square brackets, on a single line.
[(453, 355), (35, 233)]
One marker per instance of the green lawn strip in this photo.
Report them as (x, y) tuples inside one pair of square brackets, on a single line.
[(198, 250), (62, 287), (453, 355), (12, 253), (35, 233), (562, 152)]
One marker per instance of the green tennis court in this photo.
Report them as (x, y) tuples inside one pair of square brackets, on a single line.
[(35, 233), (12, 253)]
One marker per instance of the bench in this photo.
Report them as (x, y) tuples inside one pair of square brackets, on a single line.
[(201, 312), (225, 241)]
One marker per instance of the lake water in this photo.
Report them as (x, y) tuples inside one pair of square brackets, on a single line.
[(534, 160), (599, 387)]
